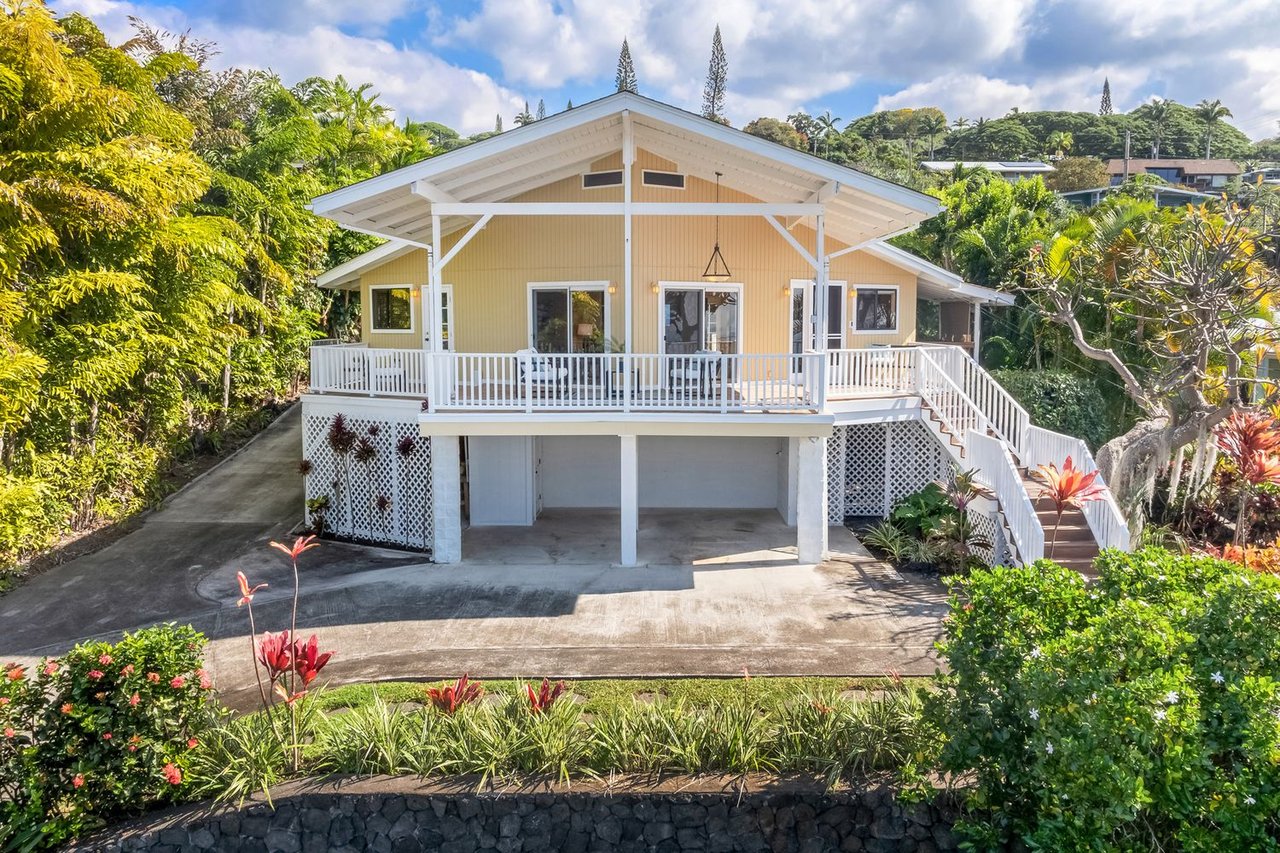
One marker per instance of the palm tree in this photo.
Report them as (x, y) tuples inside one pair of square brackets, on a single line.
[(1211, 112), (1159, 114), (826, 127), (1060, 143), (932, 125), (524, 116), (960, 123)]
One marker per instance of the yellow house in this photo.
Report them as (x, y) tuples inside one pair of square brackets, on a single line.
[(629, 307)]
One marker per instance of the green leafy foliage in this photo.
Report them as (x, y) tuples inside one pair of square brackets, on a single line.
[(922, 512), (1063, 402), (107, 730), (1141, 712)]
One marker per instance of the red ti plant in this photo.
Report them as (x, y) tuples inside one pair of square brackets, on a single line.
[(1250, 440), (452, 697), (281, 656), (541, 701), (1068, 487)]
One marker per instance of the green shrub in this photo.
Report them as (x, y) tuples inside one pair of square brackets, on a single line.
[(105, 730), (1060, 401), (921, 513), (1140, 712)]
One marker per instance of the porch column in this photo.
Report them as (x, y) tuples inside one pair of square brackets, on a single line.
[(446, 500), (630, 502), (811, 500), (977, 329), (820, 296)]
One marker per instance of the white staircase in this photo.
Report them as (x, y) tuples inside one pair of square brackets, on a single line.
[(983, 427)]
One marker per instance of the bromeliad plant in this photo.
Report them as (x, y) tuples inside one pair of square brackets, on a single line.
[(450, 698), (1068, 487), (290, 665), (540, 701), (1250, 440)]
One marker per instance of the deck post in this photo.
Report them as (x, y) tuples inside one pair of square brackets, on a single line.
[(977, 331), (628, 160), (630, 498), (820, 295), (811, 500), (446, 499)]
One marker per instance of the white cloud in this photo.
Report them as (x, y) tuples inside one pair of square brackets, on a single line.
[(413, 82)]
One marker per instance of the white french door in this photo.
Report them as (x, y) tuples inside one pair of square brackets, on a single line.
[(804, 316)]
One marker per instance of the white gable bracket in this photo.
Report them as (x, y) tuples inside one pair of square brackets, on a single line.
[(464, 240), (430, 191), (795, 244)]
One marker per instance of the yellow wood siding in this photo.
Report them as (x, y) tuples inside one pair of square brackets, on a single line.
[(491, 275), (408, 269)]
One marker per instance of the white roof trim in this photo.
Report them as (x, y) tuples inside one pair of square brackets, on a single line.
[(937, 275), (346, 273)]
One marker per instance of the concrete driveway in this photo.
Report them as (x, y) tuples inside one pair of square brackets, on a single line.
[(722, 593)]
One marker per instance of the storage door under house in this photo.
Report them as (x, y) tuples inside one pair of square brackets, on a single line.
[(501, 480)]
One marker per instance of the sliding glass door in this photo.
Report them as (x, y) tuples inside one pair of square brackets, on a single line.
[(701, 319), (569, 317)]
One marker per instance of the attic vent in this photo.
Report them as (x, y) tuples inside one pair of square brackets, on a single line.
[(602, 179), (674, 180)]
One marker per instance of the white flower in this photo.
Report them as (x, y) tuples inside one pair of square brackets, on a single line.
[(1160, 714), (1035, 715), (1250, 801), (1171, 698), (1217, 678), (1048, 747), (1035, 653)]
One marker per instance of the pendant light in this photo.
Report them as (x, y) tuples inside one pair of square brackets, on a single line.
[(717, 269)]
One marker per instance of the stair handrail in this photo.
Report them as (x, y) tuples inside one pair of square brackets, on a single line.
[(1006, 416), (1108, 524), (997, 469), (929, 368)]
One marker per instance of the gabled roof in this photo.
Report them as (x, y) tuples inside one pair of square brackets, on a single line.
[(935, 282), (1188, 166), (859, 207), (349, 272)]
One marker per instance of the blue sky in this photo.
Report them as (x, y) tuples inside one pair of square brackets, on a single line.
[(462, 62)]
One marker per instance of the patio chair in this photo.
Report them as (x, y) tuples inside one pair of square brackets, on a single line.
[(695, 371), (539, 369)]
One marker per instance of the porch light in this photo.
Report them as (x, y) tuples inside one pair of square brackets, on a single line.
[(613, 288), (717, 269)]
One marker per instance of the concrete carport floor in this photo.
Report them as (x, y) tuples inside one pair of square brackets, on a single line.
[(532, 610)]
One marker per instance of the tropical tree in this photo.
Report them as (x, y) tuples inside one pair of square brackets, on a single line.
[(828, 126), (1159, 113), (932, 126), (1211, 113), (625, 78), (713, 93), (524, 116), (1060, 143)]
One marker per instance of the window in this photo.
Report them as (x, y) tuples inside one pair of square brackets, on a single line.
[(592, 180), (446, 319), (876, 309), (804, 315), (700, 319), (671, 180), (569, 317), (391, 308)]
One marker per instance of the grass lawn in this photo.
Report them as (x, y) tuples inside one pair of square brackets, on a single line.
[(599, 695)]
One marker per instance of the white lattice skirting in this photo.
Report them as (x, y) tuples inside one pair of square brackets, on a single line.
[(872, 466), (382, 495)]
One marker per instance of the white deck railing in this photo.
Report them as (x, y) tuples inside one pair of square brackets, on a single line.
[(997, 469), (703, 382), (1004, 415), (1106, 521)]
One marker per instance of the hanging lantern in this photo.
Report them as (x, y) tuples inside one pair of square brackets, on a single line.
[(717, 269)]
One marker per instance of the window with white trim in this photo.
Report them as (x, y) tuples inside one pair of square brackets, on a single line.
[(700, 319), (876, 309), (390, 308)]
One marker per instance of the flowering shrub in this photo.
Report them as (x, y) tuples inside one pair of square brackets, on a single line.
[(1264, 559), (104, 730), (1140, 712), (451, 697)]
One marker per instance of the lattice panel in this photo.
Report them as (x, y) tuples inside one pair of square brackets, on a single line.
[(855, 471), (991, 527), (386, 498), (871, 466)]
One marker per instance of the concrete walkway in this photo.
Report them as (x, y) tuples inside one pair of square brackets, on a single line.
[(722, 593)]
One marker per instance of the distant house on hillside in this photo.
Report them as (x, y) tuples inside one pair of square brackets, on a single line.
[(1197, 174), (1165, 196), (1012, 171), (1263, 174)]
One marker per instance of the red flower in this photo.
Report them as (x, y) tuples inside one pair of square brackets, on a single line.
[(205, 683), (4, 700), (192, 743), (51, 667), (106, 735), (178, 682), (301, 544), (95, 674), (133, 743), (172, 774), (78, 781), (273, 653), (247, 593), (15, 672), (66, 707), (153, 677), (546, 696), (104, 659), (127, 671), (134, 700), (9, 732), (308, 661), (450, 699)]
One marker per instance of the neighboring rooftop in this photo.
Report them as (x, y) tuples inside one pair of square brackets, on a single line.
[(1000, 167), (1166, 195), (1184, 165)]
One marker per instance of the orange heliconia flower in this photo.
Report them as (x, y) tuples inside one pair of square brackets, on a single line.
[(246, 592), (301, 544)]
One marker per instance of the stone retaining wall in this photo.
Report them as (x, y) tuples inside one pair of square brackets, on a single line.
[(395, 815)]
